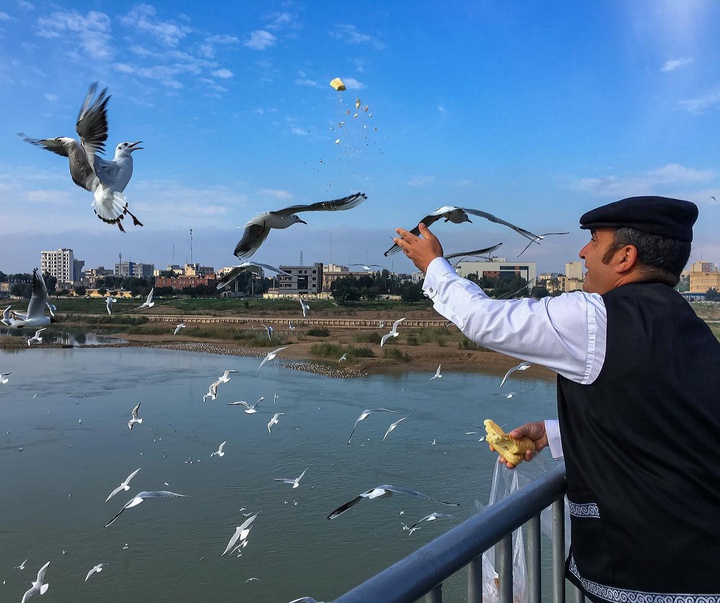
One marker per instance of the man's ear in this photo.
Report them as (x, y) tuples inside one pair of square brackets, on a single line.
[(626, 259)]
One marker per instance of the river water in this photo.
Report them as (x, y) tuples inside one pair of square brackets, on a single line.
[(68, 446)]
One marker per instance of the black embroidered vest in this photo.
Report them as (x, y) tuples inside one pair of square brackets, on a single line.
[(642, 453)]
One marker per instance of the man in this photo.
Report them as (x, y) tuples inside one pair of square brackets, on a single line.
[(638, 399)]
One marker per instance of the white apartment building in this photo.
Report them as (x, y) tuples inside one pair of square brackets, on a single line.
[(62, 265)]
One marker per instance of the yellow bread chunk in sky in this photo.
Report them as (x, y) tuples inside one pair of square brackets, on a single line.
[(337, 83)]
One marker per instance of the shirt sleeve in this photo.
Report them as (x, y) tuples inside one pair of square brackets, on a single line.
[(566, 333), (552, 431)]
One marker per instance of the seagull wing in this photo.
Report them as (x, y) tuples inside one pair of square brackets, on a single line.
[(36, 307), (240, 403), (439, 213), (475, 252), (135, 410), (483, 214), (92, 124), (232, 541), (253, 236), (520, 367), (90, 573), (342, 508), (114, 492), (396, 324), (411, 492), (335, 205)]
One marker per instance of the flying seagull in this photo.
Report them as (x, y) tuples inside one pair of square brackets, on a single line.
[(364, 415), (35, 316), (437, 374), (343, 357), (212, 391), (474, 253), (523, 366), (393, 332), (368, 267), (37, 338), (98, 568), (148, 303), (109, 301), (141, 496), (458, 215), (291, 326), (255, 267), (249, 410), (225, 377), (274, 421), (258, 228), (270, 356), (431, 517), (219, 451), (4, 377), (305, 307), (106, 179), (124, 486), (393, 426), (21, 566), (384, 491), (241, 534), (37, 586), (178, 327), (134, 417), (269, 330), (295, 482), (6, 316)]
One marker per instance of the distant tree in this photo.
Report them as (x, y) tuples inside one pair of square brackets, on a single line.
[(64, 292), (539, 292), (50, 283), (102, 291), (167, 273), (411, 292), (80, 291), (3, 277), (345, 290), (164, 292), (712, 295), (21, 290)]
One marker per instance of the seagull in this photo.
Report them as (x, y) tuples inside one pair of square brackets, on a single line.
[(106, 179), (364, 415), (124, 486), (249, 410), (437, 374), (269, 330), (98, 568), (393, 332), (51, 308), (458, 215), (212, 391), (219, 451), (431, 517), (305, 600), (4, 377), (343, 357), (178, 327), (523, 366), (384, 491), (225, 377), (109, 301), (295, 482), (6, 316), (291, 326), (251, 579), (36, 338), (255, 267), (393, 426), (37, 585), (270, 356), (305, 307), (368, 267), (141, 496), (475, 253), (241, 534), (134, 416), (35, 316), (481, 438), (21, 566), (274, 421), (149, 303), (258, 228)]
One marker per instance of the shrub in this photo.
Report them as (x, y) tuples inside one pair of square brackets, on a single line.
[(319, 332), (371, 337), (396, 354)]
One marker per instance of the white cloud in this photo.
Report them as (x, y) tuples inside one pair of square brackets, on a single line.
[(143, 18), (674, 64), (278, 20), (352, 84), (421, 180), (51, 97), (701, 103), (260, 40), (222, 73), (351, 35), (25, 5), (278, 194), (4, 16), (299, 131), (304, 80), (92, 31)]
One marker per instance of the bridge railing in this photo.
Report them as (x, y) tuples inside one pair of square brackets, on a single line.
[(422, 573)]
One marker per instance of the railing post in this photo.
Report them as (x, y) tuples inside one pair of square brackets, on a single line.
[(435, 595), (475, 579), (503, 566), (534, 583)]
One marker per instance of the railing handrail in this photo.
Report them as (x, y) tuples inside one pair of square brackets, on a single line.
[(417, 574)]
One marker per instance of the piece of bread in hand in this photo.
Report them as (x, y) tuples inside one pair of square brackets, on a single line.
[(511, 449)]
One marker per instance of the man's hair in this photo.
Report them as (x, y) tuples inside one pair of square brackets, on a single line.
[(661, 259)]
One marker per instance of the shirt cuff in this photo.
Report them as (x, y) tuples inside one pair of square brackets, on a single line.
[(436, 270), (552, 431)]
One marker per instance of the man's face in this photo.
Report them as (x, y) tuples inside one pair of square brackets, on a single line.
[(599, 277)]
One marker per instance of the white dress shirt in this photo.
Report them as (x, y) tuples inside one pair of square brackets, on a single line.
[(567, 334)]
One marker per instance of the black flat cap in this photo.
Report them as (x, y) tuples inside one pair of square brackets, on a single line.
[(663, 216)]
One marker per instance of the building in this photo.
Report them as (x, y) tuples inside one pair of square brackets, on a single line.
[(302, 280), (63, 266), (178, 283), (704, 276), (134, 269), (332, 272), (498, 267), (91, 276), (573, 279)]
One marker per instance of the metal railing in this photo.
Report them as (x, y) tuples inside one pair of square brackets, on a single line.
[(422, 573)]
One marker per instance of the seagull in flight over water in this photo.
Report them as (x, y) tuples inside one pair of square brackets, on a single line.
[(364, 415), (37, 338), (295, 482), (39, 585), (106, 179), (274, 421), (241, 534), (148, 303), (4, 377), (393, 332), (393, 426), (249, 410), (384, 491), (178, 327), (219, 451), (437, 374), (98, 568), (270, 356), (134, 417), (258, 228), (124, 486), (523, 366), (35, 316), (141, 496), (458, 215)]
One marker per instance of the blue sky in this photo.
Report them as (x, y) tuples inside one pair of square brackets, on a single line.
[(533, 111)]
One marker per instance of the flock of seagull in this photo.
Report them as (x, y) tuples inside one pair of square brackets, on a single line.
[(107, 181)]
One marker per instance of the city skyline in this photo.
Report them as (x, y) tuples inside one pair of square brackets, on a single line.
[(533, 113)]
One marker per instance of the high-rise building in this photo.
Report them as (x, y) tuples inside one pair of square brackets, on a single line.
[(62, 265)]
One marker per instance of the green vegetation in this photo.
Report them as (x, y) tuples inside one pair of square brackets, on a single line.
[(371, 337), (396, 354), (318, 332), (331, 350)]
